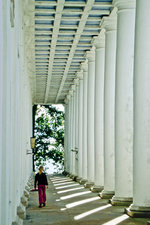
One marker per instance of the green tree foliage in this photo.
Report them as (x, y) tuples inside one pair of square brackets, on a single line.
[(49, 133)]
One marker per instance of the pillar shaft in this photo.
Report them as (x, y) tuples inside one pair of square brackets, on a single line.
[(141, 150), (80, 126), (84, 156), (90, 118), (124, 103), (99, 115), (109, 107), (76, 128), (73, 133)]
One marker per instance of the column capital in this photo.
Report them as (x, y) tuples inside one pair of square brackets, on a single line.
[(80, 75), (71, 93), (124, 4), (109, 23), (76, 81), (90, 55), (73, 87), (99, 42), (66, 101), (84, 66)]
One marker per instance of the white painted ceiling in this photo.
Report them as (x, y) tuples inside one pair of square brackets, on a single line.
[(63, 32)]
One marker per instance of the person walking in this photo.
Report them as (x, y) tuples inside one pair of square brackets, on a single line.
[(41, 178)]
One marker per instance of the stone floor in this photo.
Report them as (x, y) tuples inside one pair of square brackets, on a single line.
[(69, 203)]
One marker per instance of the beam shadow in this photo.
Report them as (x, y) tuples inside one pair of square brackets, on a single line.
[(67, 186), (117, 220), (69, 190), (74, 204), (75, 195), (83, 215)]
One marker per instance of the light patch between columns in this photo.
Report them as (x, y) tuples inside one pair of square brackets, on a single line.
[(67, 186), (71, 205), (117, 220), (78, 217), (57, 182), (64, 183), (72, 189), (75, 195)]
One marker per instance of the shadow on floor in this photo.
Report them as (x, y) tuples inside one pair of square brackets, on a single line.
[(69, 203)]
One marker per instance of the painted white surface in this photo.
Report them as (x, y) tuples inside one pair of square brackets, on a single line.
[(141, 152), (99, 113), (109, 104), (90, 116), (124, 100)]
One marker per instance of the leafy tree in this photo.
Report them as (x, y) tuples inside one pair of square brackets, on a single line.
[(49, 133)]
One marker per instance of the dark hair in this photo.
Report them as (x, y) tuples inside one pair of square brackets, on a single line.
[(41, 167)]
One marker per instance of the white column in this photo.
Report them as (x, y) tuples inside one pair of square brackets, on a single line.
[(84, 123), (141, 151), (66, 137), (73, 131), (99, 113), (90, 118), (69, 135), (124, 103), (70, 130), (80, 127), (1, 92), (76, 127), (109, 107)]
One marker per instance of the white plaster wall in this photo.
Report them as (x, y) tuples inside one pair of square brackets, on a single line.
[(15, 114)]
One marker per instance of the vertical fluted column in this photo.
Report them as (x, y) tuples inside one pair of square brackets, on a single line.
[(109, 106), (141, 145), (66, 137), (124, 103), (70, 130), (80, 125), (76, 126), (99, 113), (73, 131), (69, 135), (84, 67), (90, 118)]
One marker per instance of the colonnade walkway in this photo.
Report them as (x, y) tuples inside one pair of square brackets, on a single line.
[(69, 203)]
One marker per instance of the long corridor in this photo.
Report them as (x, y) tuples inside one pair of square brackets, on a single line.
[(70, 203)]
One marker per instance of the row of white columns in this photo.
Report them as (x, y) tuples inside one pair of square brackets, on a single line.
[(15, 114), (113, 110)]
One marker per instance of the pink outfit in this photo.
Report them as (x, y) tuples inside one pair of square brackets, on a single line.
[(42, 193)]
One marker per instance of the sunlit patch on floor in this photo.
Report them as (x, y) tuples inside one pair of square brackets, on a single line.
[(64, 183), (78, 217), (75, 195), (58, 200), (62, 209), (67, 186), (71, 205), (58, 182), (68, 190), (117, 220)]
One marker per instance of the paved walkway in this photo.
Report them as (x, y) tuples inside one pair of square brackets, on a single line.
[(69, 203)]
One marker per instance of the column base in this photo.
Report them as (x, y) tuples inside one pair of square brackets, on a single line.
[(88, 184), (78, 179), (96, 188), (137, 211), (117, 201), (74, 178), (83, 181), (106, 194)]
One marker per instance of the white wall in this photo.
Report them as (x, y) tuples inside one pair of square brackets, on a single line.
[(15, 113)]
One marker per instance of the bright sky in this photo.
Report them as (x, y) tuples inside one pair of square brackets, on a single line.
[(59, 107)]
